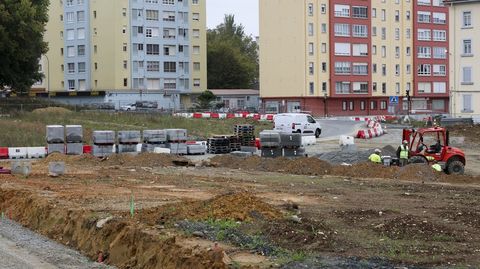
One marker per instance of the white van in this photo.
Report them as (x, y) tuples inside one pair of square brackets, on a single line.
[(297, 123)]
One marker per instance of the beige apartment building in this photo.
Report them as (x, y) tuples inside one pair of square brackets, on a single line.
[(465, 57)]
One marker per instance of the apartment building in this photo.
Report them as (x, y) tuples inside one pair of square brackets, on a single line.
[(464, 61), (100, 46), (354, 57)]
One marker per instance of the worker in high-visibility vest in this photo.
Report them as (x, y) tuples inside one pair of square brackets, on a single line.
[(375, 156), (402, 153), (437, 167)]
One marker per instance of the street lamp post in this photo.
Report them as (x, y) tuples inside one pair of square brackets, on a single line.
[(325, 104), (48, 75)]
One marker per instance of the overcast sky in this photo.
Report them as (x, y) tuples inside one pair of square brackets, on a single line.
[(245, 11)]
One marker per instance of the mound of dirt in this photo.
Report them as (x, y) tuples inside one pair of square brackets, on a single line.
[(300, 166), (366, 170), (418, 172), (353, 157), (233, 206), (51, 110), (308, 235), (412, 227), (143, 159)]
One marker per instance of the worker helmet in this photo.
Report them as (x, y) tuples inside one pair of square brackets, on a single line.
[(377, 151), (405, 142)]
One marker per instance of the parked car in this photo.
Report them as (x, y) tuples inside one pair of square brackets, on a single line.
[(297, 123), (130, 107)]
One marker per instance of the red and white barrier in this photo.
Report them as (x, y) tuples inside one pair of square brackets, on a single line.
[(212, 115), (374, 129)]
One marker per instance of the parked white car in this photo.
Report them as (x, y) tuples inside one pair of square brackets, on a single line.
[(297, 123), (130, 107)]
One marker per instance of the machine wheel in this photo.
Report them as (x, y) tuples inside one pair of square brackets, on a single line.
[(318, 132), (455, 168), (299, 131), (417, 159)]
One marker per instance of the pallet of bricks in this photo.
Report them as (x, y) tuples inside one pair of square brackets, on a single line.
[(128, 141), (270, 144), (219, 144), (292, 145), (103, 143), (55, 139), (154, 139), (74, 139), (176, 141), (245, 134)]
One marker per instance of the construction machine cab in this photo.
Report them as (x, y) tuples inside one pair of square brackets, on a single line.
[(433, 144)]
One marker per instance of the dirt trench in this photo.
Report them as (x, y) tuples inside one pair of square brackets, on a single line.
[(124, 243)]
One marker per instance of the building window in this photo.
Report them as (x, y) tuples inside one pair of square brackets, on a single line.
[(373, 105), (311, 88), (439, 35), (342, 49), (407, 15), (397, 52), (374, 12), (344, 105), (324, 27), (351, 105), (397, 33), (467, 103), (81, 50), (310, 9), (384, 88), (467, 47), (153, 49), (342, 29), (439, 70), (397, 88), (124, 46), (196, 66), (408, 33), (169, 67), (69, 3), (70, 17), (169, 16), (169, 83), (362, 105), (384, 33), (360, 30), (195, 2), (424, 52), (407, 51), (397, 70), (383, 105), (310, 29), (384, 15), (196, 82), (424, 34), (374, 31), (384, 69), (152, 15), (360, 12), (310, 68), (342, 68), (342, 87), (196, 49), (71, 68), (81, 33), (424, 70), (424, 87), (324, 87), (71, 84), (342, 10), (423, 16), (467, 19), (81, 67), (439, 18), (397, 15), (360, 87), (374, 87), (153, 66), (360, 49), (324, 47), (384, 51), (323, 8), (152, 32), (310, 48), (70, 51), (70, 34), (324, 67), (374, 68), (80, 16), (196, 33), (467, 75), (424, 2), (439, 87), (409, 68), (125, 82), (360, 69), (196, 16), (374, 49)]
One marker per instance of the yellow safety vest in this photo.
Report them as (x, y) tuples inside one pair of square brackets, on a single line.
[(437, 167), (375, 158), (430, 158), (403, 152)]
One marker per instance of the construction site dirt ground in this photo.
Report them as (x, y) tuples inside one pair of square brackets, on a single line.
[(303, 213)]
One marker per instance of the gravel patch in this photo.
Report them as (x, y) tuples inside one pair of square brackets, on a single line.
[(21, 248)]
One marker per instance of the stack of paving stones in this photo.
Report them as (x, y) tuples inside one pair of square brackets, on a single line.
[(235, 144), (128, 141), (153, 139), (103, 143), (196, 149), (176, 141), (292, 145), (270, 144), (74, 139), (218, 145), (245, 134), (55, 139)]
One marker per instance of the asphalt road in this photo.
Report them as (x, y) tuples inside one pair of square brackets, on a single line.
[(20, 248)]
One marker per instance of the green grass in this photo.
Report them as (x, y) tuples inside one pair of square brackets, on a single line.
[(28, 129)]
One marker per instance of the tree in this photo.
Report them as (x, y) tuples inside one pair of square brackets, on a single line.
[(232, 58), (205, 100), (22, 26)]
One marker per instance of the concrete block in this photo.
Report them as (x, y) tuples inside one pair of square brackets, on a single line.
[(290, 140), (159, 150), (297, 152), (193, 149), (308, 140), (242, 154), (272, 152), (129, 137), (155, 136), (346, 140), (56, 168), (74, 148), (103, 150), (104, 137), (74, 133), (55, 134), (127, 148), (59, 148), (21, 168), (176, 134), (151, 147), (248, 149), (177, 148), (270, 138)]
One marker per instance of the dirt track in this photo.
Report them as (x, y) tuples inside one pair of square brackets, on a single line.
[(292, 212)]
